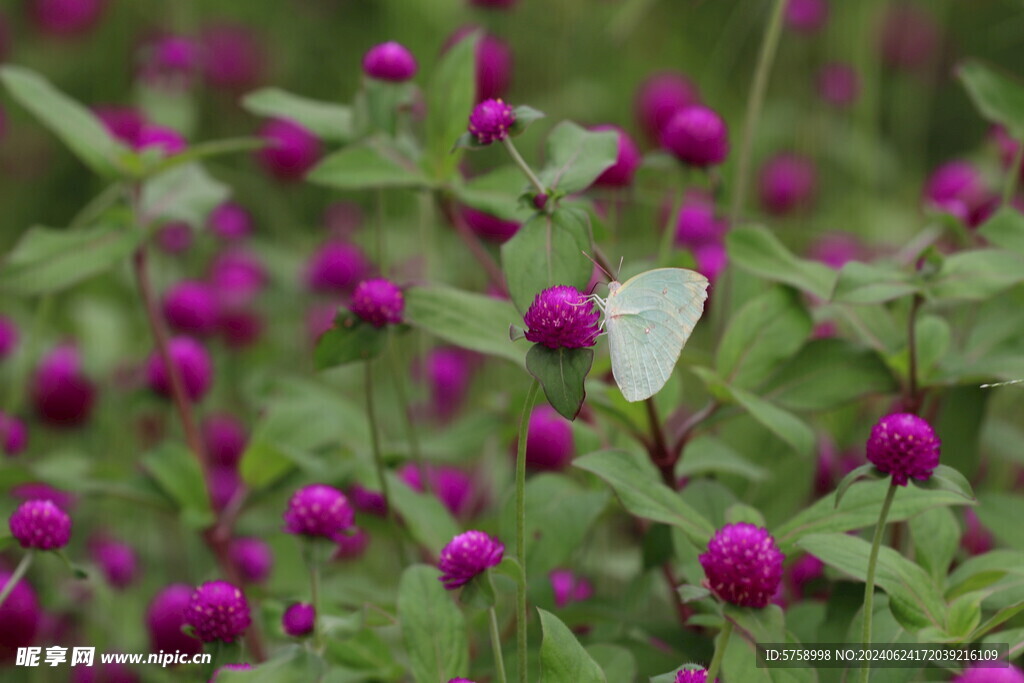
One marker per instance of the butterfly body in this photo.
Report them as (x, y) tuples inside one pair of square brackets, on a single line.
[(648, 320)]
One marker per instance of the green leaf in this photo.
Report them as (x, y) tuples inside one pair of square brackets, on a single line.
[(472, 321), (759, 251), (936, 536), (976, 275), (783, 424), (77, 127), (176, 470), (1005, 229), (368, 165), (326, 120), (350, 340), (999, 98), (429, 521), (639, 487), (617, 662), (524, 115), (872, 283), (46, 260), (201, 151), (859, 509), (182, 193), (766, 330), (708, 455), (863, 472), (758, 626), (562, 658), (577, 156), (964, 615), (946, 478), (450, 97), (999, 572), (433, 628), (561, 373), (496, 193), (291, 665), (913, 597), (548, 250)]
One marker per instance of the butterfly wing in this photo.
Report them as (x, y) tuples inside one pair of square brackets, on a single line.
[(648, 320)]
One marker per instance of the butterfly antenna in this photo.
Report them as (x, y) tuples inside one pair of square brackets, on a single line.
[(1001, 384), (600, 267)]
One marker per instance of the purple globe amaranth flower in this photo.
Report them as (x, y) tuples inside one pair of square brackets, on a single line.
[(378, 302), (290, 149), (66, 17), (237, 277), (910, 37), (230, 222), (124, 123), (549, 441), (62, 395), (977, 540), (838, 84), (8, 336), (711, 260), (806, 16), (252, 558), (174, 237), (234, 56), (218, 610), (697, 223), (697, 136), (620, 174), (239, 666), (166, 615), (489, 227), (336, 267), (453, 487), (13, 434), (116, 560), (41, 525), (19, 617), (163, 138), (957, 188), (352, 545), (491, 120), (171, 62), (981, 674), (298, 620), (467, 555), (367, 500), (447, 372), (660, 97), (569, 587), (389, 61), (318, 510), (190, 307), (194, 367), (787, 182), (562, 317), (743, 565), (692, 676), (224, 438), (904, 446)]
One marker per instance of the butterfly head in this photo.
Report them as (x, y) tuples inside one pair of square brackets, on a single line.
[(613, 287)]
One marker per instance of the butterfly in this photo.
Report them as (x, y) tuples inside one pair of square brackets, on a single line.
[(648, 320)]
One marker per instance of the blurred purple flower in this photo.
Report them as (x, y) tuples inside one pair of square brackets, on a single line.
[(569, 587), (62, 395), (13, 434), (489, 227), (660, 97), (299, 619), (390, 61), (235, 57), (318, 510), (620, 174), (116, 560), (806, 16), (190, 307), (253, 558), (290, 149), (838, 84), (453, 487), (787, 183), (230, 222), (379, 302), (337, 267), (697, 136), (66, 17), (193, 363), (549, 441), (697, 223)]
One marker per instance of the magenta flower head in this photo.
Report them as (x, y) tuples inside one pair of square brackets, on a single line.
[(124, 123), (40, 524), (806, 16), (904, 446), (562, 317), (116, 560), (660, 97), (568, 587), (218, 610), (549, 442), (298, 619), (711, 260), (193, 363), (171, 61), (957, 188), (787, 183), (190, 307), (225, 438), (318, 510), (230, 222), (447, 372), (490, 121), (253, 559), (389, 61), (62, 395), (454, 488), (367, 500), (163, 138), (234, 57), (290, 149), (352, 545), (19, 617), (8, 336), (743, 565), (237, 276), (378, 302), (697, 223), (493, 62), (66, 17), (692, 676), (489, 227), (13, 434), (697, 136), (978, 674), (838, 84), (174, 237), (165, 617), (336, 267), (467, 555), (620, 174)]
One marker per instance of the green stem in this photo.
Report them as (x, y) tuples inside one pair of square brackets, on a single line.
[(19, 571), (523, 166), (521, 613), (769, 46), (378, 457), (723, 643), (1010, 184), (869, 586), (410, 427), (499, 660)]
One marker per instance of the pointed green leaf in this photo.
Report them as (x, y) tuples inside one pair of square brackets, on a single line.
[(998, 97), (326, 120), (759, 251), (867, 471), (872, 283), (577, 156), (782, 423), (561, 372), (562, 658), (450, 97), (372, 164), (350, 340), (433, 628)]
